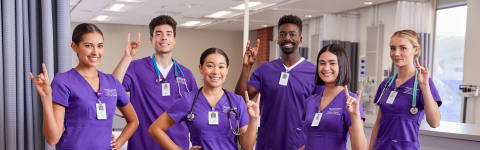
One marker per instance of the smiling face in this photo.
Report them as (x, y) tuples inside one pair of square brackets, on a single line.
[(163, 38), (90, 49), (214, 70), (328, 67), (402, 51), (289, 37)]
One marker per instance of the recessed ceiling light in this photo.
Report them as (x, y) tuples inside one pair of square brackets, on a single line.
[(264, 25), (100, 18), (367, 3), (115, 7), (130, 1), (250, 5), (219, 14), (190, 23), (308, 16)]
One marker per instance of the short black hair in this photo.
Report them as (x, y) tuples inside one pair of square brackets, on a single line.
[(213, 51), (343, 77), (82, 29), (161, 20), (291, 19)]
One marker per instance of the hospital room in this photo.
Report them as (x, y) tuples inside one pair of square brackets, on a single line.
[(239, 74)]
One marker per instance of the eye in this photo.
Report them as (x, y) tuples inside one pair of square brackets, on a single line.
[(221, 67), (88, 45), (100, 46), (403, 48), (169, 34), (321, 63), (209, 66), (392, 48)]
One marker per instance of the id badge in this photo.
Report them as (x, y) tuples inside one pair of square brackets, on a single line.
[(101, 111), (316, 119), (165, 89), (284, 78), (213, 118), (391, 97)]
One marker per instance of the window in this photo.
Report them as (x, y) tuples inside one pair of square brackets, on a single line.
[(448, 59)]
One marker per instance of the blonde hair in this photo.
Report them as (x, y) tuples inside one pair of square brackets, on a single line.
[(411, 36)]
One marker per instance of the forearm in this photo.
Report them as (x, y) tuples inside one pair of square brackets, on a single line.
[(162, 138), (248, 139), (51, 129), (121, 68), (128, 131), (357, 134), (242, 83), (432, 111)]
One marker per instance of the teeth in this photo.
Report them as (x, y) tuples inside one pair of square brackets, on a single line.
[(215, 79), (92, 58), (164, 44), (287, 45)]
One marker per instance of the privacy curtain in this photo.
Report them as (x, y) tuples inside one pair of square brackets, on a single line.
[(32, 32), (342, 29), (417, 16)]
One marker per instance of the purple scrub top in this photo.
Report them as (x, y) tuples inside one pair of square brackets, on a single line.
[(282, 107), (210, 137), (332, 131), (82, 128), (398, 127), (147, 100)]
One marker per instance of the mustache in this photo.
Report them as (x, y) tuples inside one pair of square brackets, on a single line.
[(287, 42)]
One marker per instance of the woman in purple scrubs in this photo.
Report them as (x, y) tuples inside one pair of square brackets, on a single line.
[(333, 113), (83, 99), (216, 118), (405, 98)]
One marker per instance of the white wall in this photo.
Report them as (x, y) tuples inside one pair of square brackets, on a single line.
[(190, 44), (471, 71)]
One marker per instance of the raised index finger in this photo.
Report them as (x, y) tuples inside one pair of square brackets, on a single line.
[(128, 38), (346, 91), (44, 69), (416, 61)]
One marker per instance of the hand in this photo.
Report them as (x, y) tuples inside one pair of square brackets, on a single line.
[(352, 102), (302, 148), (422, 77), (116, 145), (253, 108), (250, 55), (132, 48), (42, 83), (195, 148)]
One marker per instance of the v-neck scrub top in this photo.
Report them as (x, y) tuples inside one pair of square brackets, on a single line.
[(147, 100), (82, 128), (333, 130), (281, 107), (210, 137), (399, 128)]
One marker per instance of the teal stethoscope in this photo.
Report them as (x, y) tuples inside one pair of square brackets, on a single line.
[(414, 109), (177, 78)]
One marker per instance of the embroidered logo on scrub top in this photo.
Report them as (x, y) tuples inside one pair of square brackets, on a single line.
[(409, 90), (334, 111), (110, 92), (227, 108)]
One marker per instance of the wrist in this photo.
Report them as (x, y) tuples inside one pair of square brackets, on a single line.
[(247, 67), (127, 57)]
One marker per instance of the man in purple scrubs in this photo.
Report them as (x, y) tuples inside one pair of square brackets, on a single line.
[(155, 83), (284, 83)]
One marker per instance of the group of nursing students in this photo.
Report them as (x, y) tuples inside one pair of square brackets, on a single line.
[(301, 106)]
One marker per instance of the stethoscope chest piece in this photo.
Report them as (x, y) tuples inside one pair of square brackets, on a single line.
[(414, 110), (190, 116)]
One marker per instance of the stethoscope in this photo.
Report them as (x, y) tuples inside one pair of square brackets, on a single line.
[(177, 78), (414, 109), (191, 115)]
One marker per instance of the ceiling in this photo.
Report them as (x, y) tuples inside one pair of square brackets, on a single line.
[(142, 11)]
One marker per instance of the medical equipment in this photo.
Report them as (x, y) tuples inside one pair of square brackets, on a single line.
[(191, 115), (413, 109), (179, 80)]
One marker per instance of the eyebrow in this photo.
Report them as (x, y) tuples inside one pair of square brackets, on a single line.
[(158, 31), (214, 63)]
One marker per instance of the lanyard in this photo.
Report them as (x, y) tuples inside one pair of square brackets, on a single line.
[(98, 94), (414, 95), (175, 66)]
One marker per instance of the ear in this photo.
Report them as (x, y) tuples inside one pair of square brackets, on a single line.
[(74, 47), (417, 52), (151, 38), (200, 69)]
